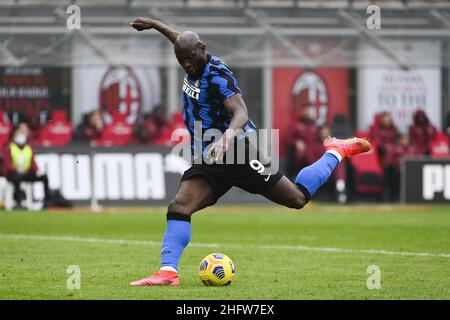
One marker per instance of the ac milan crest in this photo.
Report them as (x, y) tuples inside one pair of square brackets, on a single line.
[(309, 89), (120, 90)]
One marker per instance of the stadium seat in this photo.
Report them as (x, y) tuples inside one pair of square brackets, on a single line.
[(175, 123), (5, 129), (57, 132), (368, 173), (440, 147), (117, 133)]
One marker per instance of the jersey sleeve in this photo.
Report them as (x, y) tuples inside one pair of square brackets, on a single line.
[(225, 82)]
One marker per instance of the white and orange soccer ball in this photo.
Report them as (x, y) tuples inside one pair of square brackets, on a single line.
[(217, 269)]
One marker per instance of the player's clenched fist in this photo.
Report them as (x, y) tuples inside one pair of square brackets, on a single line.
[(142, 23), (148, 23)]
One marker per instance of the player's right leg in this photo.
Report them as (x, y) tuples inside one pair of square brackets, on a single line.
[(311, 178), (193, 195)]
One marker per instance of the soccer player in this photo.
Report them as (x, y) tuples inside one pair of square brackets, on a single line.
[(211, 95)]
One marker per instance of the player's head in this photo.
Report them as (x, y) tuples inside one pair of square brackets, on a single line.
[(191, 53)]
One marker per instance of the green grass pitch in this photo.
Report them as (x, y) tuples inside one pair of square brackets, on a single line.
[(320, 252)]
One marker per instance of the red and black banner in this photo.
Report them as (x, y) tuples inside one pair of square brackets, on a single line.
[(30, 90)]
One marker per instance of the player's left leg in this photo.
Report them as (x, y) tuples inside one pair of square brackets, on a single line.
[(195, 193)]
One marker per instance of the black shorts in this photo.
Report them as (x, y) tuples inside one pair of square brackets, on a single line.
[(224, 176)]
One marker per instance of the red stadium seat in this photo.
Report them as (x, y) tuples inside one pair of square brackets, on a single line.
[(57, 132), (368, 173), (440, 147), (5, 129), (117, 133), (176, 122)]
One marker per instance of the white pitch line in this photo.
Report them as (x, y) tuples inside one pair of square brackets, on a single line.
[(217, 245)]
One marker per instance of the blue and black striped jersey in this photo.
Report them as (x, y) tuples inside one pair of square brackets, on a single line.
[(203, 99)]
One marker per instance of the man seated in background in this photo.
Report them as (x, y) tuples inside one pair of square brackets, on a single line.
[(307, 134), (93, 129), (338, 180), (19, 163), (152, 127), (391, 165), (304, 139), (422, 132), (383, 134), (447, 126)]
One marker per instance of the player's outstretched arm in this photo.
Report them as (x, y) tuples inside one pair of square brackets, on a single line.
[(147, 23)]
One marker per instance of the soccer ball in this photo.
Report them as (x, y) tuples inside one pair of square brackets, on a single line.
[(217, 269)]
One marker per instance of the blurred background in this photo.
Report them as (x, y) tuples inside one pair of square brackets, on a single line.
[(98, 104)]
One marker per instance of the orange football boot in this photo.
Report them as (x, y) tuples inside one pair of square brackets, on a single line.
[(347, 147), (160, 278)]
